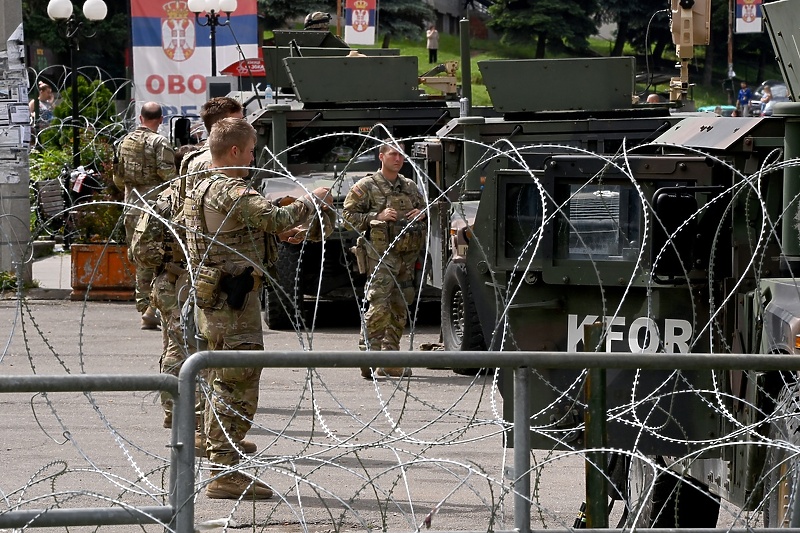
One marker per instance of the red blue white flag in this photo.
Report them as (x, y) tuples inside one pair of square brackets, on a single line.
[(748, 16), (172, 52), (360, 21)]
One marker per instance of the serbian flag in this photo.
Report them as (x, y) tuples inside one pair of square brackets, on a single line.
[(748, 16), (172, 52), (360, 21)]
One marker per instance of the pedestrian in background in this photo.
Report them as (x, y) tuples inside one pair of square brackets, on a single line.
[(227, 223), (144, 160), (433, 44), (765, 98), (42, 107), (743, 99), (388, 210)]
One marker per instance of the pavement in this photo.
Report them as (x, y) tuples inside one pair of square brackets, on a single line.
[(53, 274)]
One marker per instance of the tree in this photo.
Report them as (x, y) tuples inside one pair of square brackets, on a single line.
[(403, 19), (633, 19), (276, 14), (559, 23), (104, 44)]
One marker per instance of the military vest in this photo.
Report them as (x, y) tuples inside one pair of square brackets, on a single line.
[(137, 159), (407, 236), (212, 248), (154, 242)]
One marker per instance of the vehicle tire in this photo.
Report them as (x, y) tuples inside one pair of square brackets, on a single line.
[(461, 329), (669, 503), (781, 464), (283, 304)]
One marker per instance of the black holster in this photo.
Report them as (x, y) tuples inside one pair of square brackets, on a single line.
[(237, 287)]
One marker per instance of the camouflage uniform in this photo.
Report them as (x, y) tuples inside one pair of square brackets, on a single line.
[(228, 227), (154, 246), (194, 164), (392, 252), (144, 160)]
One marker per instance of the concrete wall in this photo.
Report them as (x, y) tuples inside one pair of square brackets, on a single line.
[(14, 145)]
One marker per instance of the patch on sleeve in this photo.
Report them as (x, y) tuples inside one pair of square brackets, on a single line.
[(357, 191), (244, 191)]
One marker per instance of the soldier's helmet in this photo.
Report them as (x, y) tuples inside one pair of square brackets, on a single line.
[(317, 21)]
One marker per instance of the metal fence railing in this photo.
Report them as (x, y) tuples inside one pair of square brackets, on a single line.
[(179, 514)]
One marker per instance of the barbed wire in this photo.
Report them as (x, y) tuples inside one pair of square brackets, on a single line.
[(430, 451)]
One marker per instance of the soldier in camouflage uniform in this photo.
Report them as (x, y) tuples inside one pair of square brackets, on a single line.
[(144, 161), (387, 208), (212, 111), (228, 224)]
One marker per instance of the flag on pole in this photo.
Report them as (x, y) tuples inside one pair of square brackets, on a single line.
[(748, 16), (360, 16), (172, 52)]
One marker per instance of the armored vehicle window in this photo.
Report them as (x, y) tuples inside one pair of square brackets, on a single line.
[(598, 222), (523, 217)]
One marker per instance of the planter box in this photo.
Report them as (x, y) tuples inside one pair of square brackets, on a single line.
[(102, 272)]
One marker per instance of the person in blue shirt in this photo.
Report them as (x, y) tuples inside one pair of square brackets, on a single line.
[(743, 100)]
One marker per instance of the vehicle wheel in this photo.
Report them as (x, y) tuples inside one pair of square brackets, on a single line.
[(667, 503), (461, 329), (283, 304), (780, 466)]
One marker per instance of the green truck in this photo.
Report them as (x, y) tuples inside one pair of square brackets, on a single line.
[(673, 232), (334, 107)]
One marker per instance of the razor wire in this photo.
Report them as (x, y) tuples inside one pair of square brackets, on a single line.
[(415, 453)]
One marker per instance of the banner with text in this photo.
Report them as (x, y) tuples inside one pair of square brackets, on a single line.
[(360, 21), (172, 52), (748, 16)]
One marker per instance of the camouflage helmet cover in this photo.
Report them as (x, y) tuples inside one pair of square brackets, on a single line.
[(317, 20)]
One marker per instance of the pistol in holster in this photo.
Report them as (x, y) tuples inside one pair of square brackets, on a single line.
[(360, 251), (237, 287)]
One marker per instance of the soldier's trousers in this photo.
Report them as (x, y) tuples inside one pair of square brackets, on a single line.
[(178, 338), (390, 292), (229, 414), (144, 276)]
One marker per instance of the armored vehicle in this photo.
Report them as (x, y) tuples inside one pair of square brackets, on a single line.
[(333, 109), (672, 233)]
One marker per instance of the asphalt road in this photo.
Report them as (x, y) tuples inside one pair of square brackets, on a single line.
[(341, 452)]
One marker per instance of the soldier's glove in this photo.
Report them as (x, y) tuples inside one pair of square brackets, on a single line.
[(237, 287)]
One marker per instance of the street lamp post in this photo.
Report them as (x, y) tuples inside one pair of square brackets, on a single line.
[(213, 9), (62, 11)]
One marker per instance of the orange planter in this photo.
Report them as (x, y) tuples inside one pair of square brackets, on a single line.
[(103, 272)]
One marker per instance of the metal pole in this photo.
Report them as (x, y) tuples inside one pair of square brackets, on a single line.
[(72, 31), (181, 489), (212, 26), (473, 151), (522, 451), (466, 66), (595, 422)]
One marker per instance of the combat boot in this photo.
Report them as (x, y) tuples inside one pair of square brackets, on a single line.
[(395, 372), (150, 319), (168, 420), (235, 485), (200, 445)]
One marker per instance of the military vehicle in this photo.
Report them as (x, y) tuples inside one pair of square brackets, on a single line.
[(333, 108), (675, 232)]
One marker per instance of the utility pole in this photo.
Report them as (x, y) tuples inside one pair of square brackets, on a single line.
[(15, 230), (731, 73)]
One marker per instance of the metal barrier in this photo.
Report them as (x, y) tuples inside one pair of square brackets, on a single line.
[(90, 516), (179, 515)]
